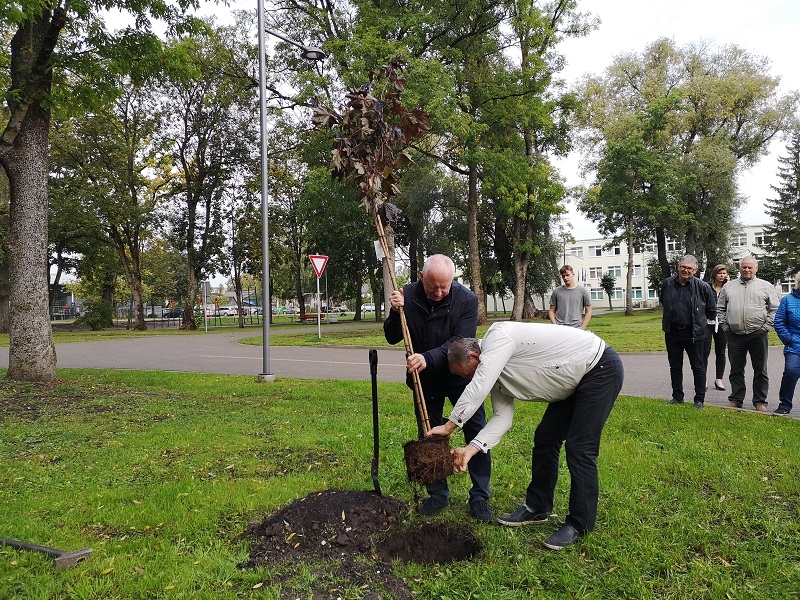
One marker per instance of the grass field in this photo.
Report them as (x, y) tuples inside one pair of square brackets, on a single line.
[(159, 473)]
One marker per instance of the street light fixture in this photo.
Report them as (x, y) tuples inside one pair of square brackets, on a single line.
[(308, 53)]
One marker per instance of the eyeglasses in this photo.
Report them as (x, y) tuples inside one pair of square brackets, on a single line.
[(686, 267)]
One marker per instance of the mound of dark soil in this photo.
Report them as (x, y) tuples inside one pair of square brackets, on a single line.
[(346, 539)]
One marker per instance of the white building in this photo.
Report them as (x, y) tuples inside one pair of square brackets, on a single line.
[(592, 258)]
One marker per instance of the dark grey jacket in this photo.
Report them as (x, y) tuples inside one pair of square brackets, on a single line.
[(432, 331), (704, 305)]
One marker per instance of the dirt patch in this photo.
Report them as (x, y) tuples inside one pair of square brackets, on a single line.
[(346, 540)]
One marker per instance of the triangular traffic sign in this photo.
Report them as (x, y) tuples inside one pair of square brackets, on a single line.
[(318, 261)]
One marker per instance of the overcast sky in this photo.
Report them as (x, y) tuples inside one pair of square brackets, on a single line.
[(767, 28)]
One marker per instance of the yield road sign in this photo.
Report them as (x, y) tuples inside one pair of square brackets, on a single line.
[(318, 261)]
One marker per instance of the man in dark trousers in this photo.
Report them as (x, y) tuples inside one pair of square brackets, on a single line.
[(578, 375), (689, 304), (439, 311)]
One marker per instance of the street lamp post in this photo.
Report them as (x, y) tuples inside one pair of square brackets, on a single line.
[(309, 53)]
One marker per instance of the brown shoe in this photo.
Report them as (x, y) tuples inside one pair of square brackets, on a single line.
[(734, 405), (760, 407)]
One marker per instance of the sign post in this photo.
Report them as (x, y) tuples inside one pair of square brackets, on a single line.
[(318, 261)]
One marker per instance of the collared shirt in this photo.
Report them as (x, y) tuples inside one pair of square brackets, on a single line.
[(527, 361)]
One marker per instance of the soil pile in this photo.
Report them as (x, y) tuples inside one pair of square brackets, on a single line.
[(347, 539)]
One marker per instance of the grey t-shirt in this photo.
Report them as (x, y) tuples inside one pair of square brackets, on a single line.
[(569, 304)]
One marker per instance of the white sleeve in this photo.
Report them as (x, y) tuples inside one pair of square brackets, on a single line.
[(501, 421)]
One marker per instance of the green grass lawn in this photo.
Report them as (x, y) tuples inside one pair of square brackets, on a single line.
[(159, 473)]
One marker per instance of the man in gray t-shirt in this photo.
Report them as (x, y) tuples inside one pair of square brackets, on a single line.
[(570, 304)]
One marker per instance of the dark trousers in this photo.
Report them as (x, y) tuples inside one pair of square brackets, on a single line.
[(718, 337), (791, 373), (677, 342), (739, 346), (479, 466), (578, 420)]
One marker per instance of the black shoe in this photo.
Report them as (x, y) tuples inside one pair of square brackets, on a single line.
[(522, 516), (698, 404), (563, 536), (676, 401), (433, 506), (480, 510), (718, 385), (780, 411)]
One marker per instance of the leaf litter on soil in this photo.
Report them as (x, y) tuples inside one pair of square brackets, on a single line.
[(348, 538)]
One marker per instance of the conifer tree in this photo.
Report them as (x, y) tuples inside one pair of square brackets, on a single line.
[(783, 235)]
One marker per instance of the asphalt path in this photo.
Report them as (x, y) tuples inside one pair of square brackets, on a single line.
[(646, 374)]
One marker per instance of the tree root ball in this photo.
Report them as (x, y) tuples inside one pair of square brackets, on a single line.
[(428, 460)]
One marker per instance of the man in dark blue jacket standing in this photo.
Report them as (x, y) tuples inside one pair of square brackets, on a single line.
[(439, 311), (688, 305)]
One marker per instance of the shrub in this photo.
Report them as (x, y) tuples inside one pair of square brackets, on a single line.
[(98, 315)]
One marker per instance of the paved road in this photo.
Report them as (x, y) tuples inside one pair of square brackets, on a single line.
[(646, 374)]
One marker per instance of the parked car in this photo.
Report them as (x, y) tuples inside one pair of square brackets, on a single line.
[(228, 311), (291, 310), (175, 313), (368, 307)]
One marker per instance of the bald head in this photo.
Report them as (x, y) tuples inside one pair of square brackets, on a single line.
[(437, 276)]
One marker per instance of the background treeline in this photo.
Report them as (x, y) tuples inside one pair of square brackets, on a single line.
[(153, 171)]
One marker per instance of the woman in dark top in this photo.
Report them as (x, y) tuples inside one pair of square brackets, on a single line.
[(719, 277)]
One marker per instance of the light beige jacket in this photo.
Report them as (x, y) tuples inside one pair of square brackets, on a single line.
[(527, 361)]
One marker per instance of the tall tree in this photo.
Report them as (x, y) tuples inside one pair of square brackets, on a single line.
[(783, 233), (212, 125), (34, 85), (725, 113), (109, 160)]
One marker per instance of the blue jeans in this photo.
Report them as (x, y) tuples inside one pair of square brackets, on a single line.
[(791, 373), (579, 420), (479, 466)]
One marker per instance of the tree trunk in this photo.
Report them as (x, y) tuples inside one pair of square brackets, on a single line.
[(520, 271), (629, 278), (5, 292), (661, 249), (474, 248), (32, 353), (192, 287)]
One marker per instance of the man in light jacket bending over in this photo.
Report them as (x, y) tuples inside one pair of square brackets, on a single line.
[(571, 369)]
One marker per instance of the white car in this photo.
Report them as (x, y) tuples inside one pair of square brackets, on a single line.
[(368, 307)]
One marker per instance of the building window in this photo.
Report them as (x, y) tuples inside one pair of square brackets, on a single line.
[(637, 270), (649, 248), (673, 246), (762, 239), (595, 251), (739, 239), (615, 271), (786, 287), (576, 251), (651, 294), (596, 294), (614, 251), (619, 294), (636, 293), (595, 272)]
